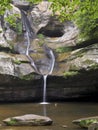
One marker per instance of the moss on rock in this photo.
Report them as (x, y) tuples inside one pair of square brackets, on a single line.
[(70, 74), (27, 77), (12, 122)]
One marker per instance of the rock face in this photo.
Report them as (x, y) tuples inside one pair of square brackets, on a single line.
[(28, 120), (75, 74)]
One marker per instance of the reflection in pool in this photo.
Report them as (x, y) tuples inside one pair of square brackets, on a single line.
[(62, 114)]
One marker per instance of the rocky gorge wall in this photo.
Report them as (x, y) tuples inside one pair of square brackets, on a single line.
[(75, 74)]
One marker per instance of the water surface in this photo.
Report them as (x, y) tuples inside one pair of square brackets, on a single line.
[(61, 113)]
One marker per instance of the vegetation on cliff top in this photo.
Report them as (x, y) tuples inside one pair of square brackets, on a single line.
[(83, 12)]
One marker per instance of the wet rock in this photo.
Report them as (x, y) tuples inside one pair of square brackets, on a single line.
[(28, 120), (21, 4), (86, 122), (69, 36)]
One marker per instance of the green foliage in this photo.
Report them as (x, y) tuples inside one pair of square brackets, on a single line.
[(19, 28), (94, 66), (27, 77), (70, 74), (15, 23), (87, 61), (64, 9), (0, 31), (41, 39), (34, 1), (17, 62), (87, 123), (11, 19), (4, 5), (83, 12), (87, 19), (63, 49), (12, 122), (41, 36)]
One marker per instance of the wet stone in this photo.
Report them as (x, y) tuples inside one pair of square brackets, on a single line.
[(28, 120)]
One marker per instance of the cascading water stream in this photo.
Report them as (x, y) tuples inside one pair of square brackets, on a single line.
[(51, 56), (28, 29), (44, 90), (30, 35), (52, 62), (48, 52)]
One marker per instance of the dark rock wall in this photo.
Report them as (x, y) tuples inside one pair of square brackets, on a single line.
[(82, 87)]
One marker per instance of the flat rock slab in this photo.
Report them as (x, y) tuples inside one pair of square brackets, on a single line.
[(87, 122), (28, 120)]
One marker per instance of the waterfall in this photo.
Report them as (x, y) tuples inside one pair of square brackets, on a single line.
[(30, 35), (51, 56), (44, 90), (27, 28), (48, 52)]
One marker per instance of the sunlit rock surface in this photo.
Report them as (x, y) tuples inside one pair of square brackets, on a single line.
[(14, 64)]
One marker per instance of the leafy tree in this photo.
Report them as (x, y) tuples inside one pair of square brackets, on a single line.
[(83, 12)]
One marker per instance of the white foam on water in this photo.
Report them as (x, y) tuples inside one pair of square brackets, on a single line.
[(44, 103)]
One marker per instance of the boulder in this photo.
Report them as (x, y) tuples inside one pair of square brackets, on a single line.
[(40, 15), (89, 122), (14, 65), (28, 120)]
